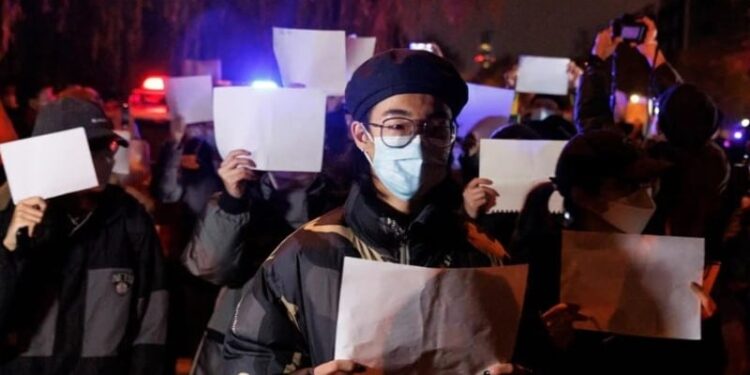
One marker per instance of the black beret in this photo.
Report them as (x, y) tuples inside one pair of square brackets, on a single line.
[(404, 71)]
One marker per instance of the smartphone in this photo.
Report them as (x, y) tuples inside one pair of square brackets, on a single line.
[(629, 29)]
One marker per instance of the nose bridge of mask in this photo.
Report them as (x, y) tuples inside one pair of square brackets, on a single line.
[(411, 151)]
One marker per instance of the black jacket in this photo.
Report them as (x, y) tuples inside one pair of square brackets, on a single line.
[(233, 238), (287, 318), (87, 299)]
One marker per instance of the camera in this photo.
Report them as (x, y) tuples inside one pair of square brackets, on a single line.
[(629, 29)]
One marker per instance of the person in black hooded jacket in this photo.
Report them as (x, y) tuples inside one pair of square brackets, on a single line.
[(593, 106)]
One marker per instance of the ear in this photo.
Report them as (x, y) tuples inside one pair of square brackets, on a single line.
[(361, 137)]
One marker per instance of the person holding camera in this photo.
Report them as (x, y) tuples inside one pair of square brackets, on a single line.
[(690, 198), (594, 107)]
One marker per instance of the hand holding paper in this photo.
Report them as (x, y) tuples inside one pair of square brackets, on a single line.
[(28, 213), (516, 167), (559, 322), (478, 197), (50, 165), (235, 171), (708, 305), (427, 321), (283, 128), (634, 284)]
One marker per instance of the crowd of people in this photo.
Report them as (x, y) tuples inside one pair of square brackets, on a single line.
[(121, 279)]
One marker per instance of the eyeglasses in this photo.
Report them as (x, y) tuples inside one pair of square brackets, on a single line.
[(398, 132)]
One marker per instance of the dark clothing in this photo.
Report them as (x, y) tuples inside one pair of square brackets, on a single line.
[(691, 197), (186, 172), (18, 118), (232, 240), (501, 225), (287, 318), (538, 238), (184, 179), (554, 128), (84, 299), (540, 235)]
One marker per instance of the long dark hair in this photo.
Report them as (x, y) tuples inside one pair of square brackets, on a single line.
[(535, 218)]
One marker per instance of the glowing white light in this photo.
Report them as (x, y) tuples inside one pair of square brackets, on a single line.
[(154, 83), (635, 98), (745, 122), (738, 135), (264, 84)]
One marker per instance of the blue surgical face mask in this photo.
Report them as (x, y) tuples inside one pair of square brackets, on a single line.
[(399, 169)]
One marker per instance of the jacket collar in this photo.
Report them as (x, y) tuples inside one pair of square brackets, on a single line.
[(434, 229)]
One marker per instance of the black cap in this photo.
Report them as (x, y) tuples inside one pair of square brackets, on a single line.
[(71, 113), (595, 155), (404, 71)]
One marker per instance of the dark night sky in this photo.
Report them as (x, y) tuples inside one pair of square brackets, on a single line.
[(113, 45)]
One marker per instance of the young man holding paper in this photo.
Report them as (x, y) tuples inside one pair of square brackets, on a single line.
[(273, 184), (239, 228), (403, 209), (81, 281)]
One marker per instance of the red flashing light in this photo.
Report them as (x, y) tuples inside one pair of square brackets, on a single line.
[(154, 83)]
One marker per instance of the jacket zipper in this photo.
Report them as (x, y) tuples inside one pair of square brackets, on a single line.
[(404, 253)]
